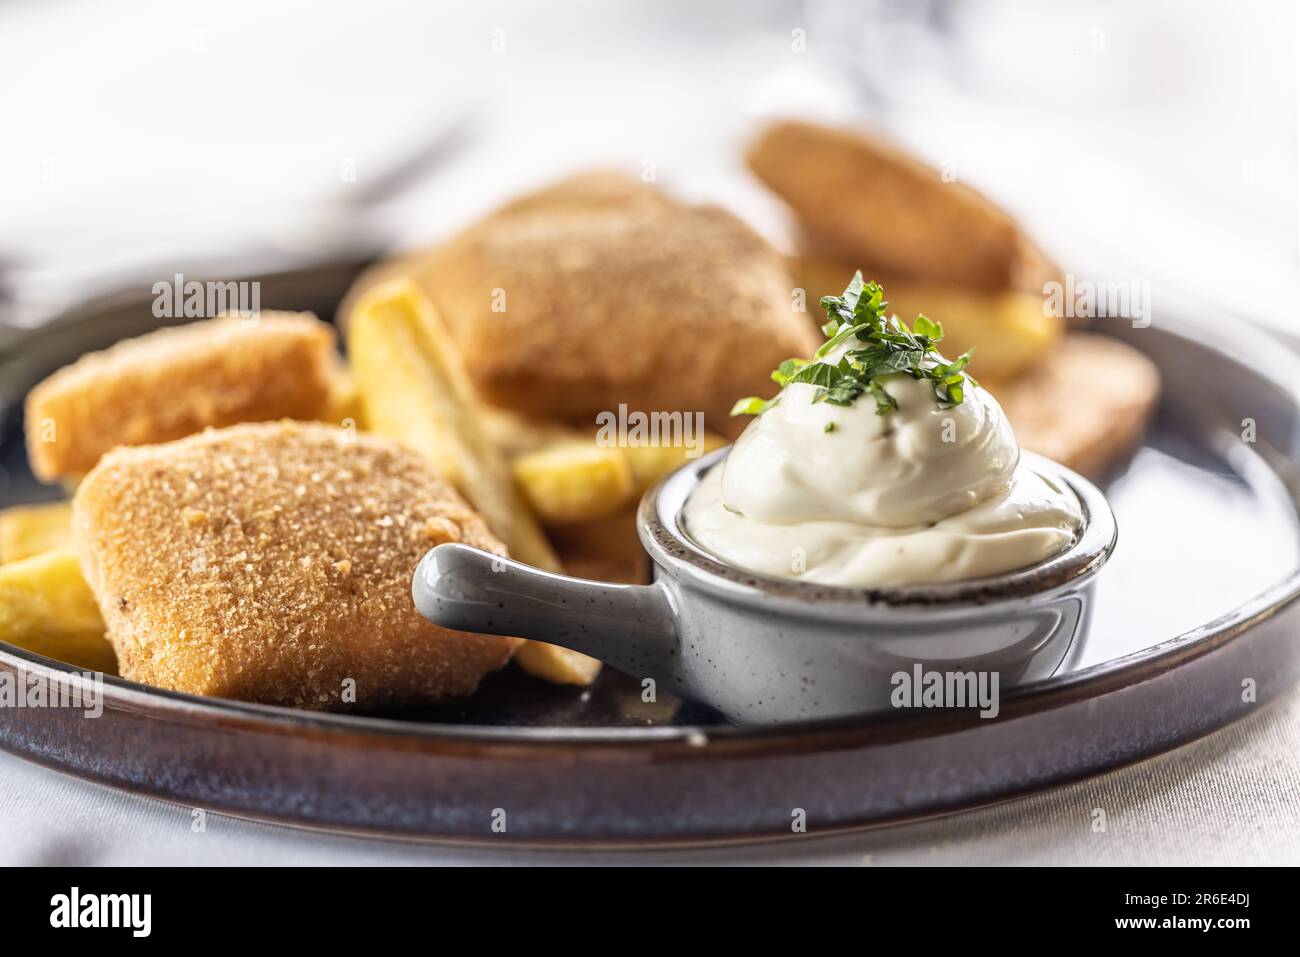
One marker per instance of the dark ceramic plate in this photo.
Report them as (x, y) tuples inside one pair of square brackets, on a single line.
[(1198, 603)]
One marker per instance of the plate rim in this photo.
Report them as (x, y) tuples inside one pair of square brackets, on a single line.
[(1263, 351)]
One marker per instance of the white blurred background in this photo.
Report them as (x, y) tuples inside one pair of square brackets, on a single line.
[(1155, 136)]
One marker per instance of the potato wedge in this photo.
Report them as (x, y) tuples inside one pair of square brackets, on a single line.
[(47, 607), (344, 407), (650, 463), (575, 481), (516, 435), (413, 388), (27, 530)]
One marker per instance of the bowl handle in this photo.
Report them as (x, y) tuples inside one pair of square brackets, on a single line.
[(627, 626)]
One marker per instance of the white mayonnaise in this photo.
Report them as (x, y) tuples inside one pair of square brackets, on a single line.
[(921, 495)]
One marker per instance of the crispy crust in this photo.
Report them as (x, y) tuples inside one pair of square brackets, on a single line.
[(1086, 405), (175, 382), (607, 549), (863, 201), (591, 191), (614, 293), (272, 562)]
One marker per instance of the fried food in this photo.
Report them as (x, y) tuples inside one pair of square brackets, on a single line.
[(593, 190), (568, 476), (272, 562), (518, 437), (344, 406), (865, 202), (575, 481), (27, 530), (175, 382), (606, 549), (414, 389), (650, 463), (569, 302), (515, 435), (1008, 329), (1086, 405), (942, 249), (46, 607)]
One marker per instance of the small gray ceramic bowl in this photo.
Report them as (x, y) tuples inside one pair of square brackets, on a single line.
[(763, 650)]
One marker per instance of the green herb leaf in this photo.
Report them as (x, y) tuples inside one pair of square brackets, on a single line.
[(885, 402), (888, 347), (753, 405), (786, 370), (844, 335), (853, 293), (818, 373), (925, 326)]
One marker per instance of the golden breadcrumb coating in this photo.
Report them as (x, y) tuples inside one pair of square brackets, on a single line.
[(863, 201), (1086, 405), (273, 563), (597, 189), (178, 381), (602, 290)]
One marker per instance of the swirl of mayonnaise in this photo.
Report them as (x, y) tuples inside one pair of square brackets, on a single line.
[(840, 495)]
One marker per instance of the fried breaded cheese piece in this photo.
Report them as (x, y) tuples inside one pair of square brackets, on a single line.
[(864, 201), (589, 295), (1086, 405), (178, 381), (272, 562)]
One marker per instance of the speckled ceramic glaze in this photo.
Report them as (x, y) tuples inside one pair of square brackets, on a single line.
[(763, 650)]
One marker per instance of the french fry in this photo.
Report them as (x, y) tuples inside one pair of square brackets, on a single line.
[(344, 406), (650, 463), (1007, 331), (575, 481), (47, 607), (515, 435), (27, 530), (413, 388)]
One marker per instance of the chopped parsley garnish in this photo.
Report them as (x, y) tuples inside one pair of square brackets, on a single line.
[(884, 346)]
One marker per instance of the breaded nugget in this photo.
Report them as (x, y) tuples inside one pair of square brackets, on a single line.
[(590, 190), (273, 563), (1085, 405), (863, 201), (597, 190), (570, 302), (178, 381)]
